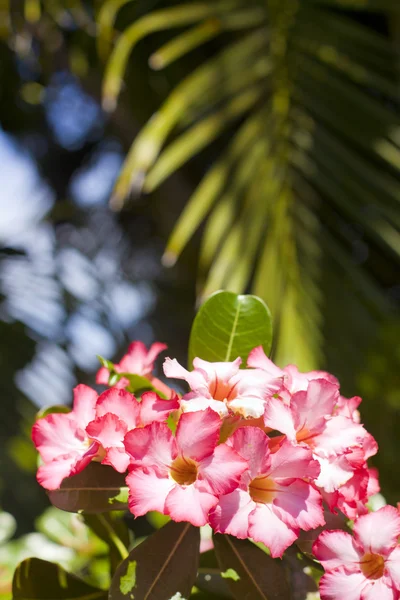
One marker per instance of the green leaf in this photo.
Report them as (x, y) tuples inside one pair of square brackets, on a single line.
[(96, 489), (36, 579), (230, 325), (106, 363), (164, 564), (260, 576), (137, 382), (49, 410)]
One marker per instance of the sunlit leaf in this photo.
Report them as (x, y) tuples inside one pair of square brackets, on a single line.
[(230, 325)]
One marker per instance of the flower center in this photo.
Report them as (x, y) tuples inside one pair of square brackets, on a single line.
[(305, 436), (183, 470), (262, 490), (372, 565), (222, 390)]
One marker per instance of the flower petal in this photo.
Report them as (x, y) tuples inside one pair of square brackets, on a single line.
[(335, 549), (299, 505), (196, 379), (339, 435), (152, 446), (139, 360), (190, 503), (196, 403), (120, 403), (57, 435), (342, 584), (51, 474), (316, 403), (279, 416), (393, 566), (377, 532), (293, 462), (248, 406), (197, 433), (84, 404), (154, 408), (147, 491), (296, 381), (231, 515), (107, 430), (153, 352), (335, 472), (222, 469), (266, 527), (379, 590), (218, 371), (116, 458), (252, 444), (258, 359), (102, 376)]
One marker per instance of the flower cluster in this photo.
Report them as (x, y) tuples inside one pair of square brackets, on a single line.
[(254, 452), (366, 566)]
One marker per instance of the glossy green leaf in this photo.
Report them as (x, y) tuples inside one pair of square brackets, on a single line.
[(230, 325), (36, 579), (258, 576), (164, 564), (98, 488)]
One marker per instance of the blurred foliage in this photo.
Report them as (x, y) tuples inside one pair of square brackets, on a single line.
[(282, 120), (60, 537)]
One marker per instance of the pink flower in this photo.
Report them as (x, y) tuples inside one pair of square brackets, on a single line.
[(339, 443), (363, 567), (93, 430), (138, 361), (62, 441), (224, 388), (293, 380), (347, 407), (181, 476), (117, 412), (275, 498)]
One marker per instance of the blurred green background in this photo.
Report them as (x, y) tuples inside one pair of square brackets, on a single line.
[(272, 165)]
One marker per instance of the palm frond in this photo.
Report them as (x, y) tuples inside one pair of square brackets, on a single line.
[(312, 96)]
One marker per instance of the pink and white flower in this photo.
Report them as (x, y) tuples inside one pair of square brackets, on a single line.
[(137, 361), (275, 498), (62, 441), (294, 381), (117, 412), (365, 566), (224, 388), (93, 430), (182, 476), (339, 443)]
